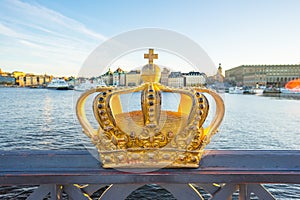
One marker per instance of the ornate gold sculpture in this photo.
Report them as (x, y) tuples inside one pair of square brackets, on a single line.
[(150, 137)]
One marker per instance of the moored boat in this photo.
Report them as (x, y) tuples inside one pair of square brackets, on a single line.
[(236, 90), (271, 90), (292, 87), (290, 91), (257, 91), (58, 84)]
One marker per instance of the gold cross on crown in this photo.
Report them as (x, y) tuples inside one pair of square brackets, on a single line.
[(150, 56)]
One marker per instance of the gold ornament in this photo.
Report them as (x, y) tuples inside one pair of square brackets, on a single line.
[(150, 137)]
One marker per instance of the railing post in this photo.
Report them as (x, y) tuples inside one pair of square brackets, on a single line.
[(43, 190), (244, 193)]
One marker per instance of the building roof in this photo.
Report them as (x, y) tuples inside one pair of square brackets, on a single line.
[(279, 65), (165, 70), (119, 70), (109, 72), (193, 74), (134, 72), (175, 75)]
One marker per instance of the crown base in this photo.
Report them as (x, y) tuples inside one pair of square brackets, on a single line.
[(150, 158)]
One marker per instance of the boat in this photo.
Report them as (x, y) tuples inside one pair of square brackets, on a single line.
[(290, 91), (247, 90), (58, 84), (272, 90), (292, 87), (257, 91), (236, 90), (87, 85)]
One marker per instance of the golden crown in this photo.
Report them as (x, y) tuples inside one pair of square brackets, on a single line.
[(150, 137)]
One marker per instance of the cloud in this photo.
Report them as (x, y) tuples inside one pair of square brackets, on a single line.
[(48, 15), (38, 36), (4, 30)]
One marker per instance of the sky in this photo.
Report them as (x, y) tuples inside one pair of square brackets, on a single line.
[(55, 37)]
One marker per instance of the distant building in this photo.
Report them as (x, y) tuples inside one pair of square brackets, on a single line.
[(7, 80), (218, 78), (21, 81), (176, 79), (264, 75), (2, 73), (118, 78), (16, 75), (164, 76), (123, 79), (194, 79), (133, 78), (45, 79), (80, 80), (33, 80), (108, 77), (30, 79)]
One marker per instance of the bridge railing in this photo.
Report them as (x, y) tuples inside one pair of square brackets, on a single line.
[(79, 174)]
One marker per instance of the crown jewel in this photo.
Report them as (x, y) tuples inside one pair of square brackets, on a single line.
[(150, 137)]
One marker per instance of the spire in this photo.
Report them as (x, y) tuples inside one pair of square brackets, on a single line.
[(220, 68)]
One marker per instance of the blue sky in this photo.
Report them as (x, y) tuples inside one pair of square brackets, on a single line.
[(55, 37)]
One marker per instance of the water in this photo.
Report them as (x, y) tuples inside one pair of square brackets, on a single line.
[(259, 122), (38, 119), (32, 119)]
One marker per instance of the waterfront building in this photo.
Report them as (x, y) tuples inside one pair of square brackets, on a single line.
[(176, 79), (218, 77), (263, 75), (117, 74), (194, 79), (108, 77), (21, 81), (2, 73), (164, 76), (33, 80), (80, 80), (30, 79), (216, 81), (123, 79), (16, 75), (7, 80), (133, 78), (43, 80)]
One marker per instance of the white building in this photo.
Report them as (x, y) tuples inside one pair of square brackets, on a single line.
[(194, 79), (176, 79), (164, 76), (118, 77)]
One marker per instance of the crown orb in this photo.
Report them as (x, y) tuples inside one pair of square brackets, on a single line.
[(150, 73)]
